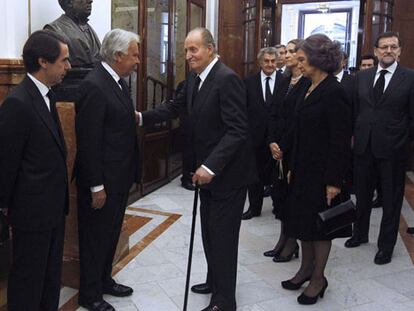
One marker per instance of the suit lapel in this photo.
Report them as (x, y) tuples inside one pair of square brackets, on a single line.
[(112, 84), (205, 89), (396, 80), (44, 113), (260, 89), (370, 85), (316, 93), (189, 93)]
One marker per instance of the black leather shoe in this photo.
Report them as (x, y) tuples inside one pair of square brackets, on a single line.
[(188, 185), (383, 257), (272, 253), (249, 214), (267, 191), (213, 308), (202, 288), (355, 242), (294, 286), (100, 305), (306, 300), (289, 257), (118, 290), (377, 203)]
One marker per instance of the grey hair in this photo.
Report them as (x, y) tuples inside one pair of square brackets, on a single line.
[(208, 38), (117, 41), (269, 50)]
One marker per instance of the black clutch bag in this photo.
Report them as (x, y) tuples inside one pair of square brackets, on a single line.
[(4, 229), (337, 217)]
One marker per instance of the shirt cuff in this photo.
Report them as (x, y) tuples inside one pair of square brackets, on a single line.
[(140, 123), (97, 188), (208, 170)]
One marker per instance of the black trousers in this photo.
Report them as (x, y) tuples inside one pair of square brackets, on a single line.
[(391, 176), (99, 232), (220, 214), (34, 280), (265, 166)]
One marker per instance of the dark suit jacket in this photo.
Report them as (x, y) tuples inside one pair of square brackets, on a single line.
[(388, 126), (283, 112), (107, 148), (348, 82), (258, 113), (218, 126), (33, 175)]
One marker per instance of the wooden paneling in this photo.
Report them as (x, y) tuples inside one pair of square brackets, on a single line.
[(404, 24), (11, 73), (230, 41)]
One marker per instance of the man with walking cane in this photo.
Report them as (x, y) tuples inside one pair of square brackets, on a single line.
[(215, 100)]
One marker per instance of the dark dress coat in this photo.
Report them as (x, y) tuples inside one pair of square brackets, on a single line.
[(280, 132), (320, 157)]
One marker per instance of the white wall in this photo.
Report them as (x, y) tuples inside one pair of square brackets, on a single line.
[(14, 24), (14, 27), (45, 11)]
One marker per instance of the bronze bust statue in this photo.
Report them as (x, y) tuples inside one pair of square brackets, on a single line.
[(83, 41)]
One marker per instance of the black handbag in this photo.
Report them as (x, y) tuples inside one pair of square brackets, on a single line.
[(337, 217), (4, 228)]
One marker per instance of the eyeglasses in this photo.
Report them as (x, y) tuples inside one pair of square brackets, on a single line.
[(386, 47)]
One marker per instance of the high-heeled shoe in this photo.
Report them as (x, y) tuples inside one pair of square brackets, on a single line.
[(306, 300), (288, 284), (273, 252), (287, 258)]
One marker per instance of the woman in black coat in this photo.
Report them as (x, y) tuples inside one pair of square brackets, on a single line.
[(292, 87), (319, 161)]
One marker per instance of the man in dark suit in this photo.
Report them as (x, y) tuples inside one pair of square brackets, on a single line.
[(348, 83), (261, 90), (215, 100), (106, 165), (33, 175), (384, 110)]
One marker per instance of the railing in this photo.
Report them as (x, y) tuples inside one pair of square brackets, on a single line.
[(156, 84)]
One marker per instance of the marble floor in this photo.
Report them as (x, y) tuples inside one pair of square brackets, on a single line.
[(157, 271)]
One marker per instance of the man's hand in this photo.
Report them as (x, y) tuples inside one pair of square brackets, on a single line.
[(98, 199), (201, 176), (4, 211), (331, 192), (276, 152)]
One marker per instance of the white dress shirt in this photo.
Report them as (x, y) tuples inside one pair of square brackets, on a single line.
[(43, 89), (272, 82), (340, 75), (391, 69)]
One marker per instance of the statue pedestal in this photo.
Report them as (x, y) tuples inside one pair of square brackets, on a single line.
[(70, 273)]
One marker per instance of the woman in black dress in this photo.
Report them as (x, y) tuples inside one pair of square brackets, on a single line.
[(292, 87), (319, 162)]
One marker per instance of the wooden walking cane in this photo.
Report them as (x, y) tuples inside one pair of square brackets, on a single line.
[(190, 251)]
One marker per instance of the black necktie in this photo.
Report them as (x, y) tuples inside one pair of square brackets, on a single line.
[(54, 113), (280, 71), (52, 105), (124, 87), (268, 95), (195, 88), (379, 86)]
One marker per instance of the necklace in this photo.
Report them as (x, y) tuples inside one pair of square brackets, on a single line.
[(295, 79)]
